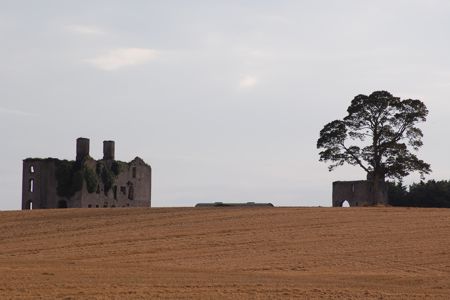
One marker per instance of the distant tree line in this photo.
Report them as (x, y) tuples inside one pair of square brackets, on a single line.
[(423, 194)]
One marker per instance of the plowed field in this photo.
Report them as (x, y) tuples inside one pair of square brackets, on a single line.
[(330, 253)]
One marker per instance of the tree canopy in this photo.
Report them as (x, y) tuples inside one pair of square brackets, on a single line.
[(377, 134)]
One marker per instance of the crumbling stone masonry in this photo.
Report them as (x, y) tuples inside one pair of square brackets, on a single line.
[(85, 182), (359, 193)]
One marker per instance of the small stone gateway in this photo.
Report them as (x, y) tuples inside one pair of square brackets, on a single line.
[(85, 182)]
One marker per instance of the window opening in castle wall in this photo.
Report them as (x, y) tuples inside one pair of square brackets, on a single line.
[(31, 186)]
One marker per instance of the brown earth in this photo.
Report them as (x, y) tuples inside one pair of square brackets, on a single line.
[(330, 253)]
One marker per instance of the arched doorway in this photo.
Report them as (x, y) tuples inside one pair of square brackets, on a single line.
[(345, 204), (62, 204)]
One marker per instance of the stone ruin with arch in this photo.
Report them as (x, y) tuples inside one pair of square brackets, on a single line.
[(359, 193)]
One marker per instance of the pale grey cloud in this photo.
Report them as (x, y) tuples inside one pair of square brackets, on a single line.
[(85, 29), (248, 81), (277, 19), (9, 111), (123, 57)]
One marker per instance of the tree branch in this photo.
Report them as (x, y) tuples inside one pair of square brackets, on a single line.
[(355, 158)]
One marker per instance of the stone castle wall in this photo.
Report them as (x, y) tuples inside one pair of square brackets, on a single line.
[(132, 188), (358, 193), (39, 185), (130, 184)]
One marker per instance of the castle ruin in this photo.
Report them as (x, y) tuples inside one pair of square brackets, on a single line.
[(85, 182), (359, 193)]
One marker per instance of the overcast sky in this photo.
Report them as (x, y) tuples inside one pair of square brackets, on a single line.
[(225, 99)]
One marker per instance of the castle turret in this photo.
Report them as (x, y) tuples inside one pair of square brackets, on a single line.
[(108, 150), (82, 148)]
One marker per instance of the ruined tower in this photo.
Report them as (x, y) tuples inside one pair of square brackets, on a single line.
[(108, 150), (82, 148)]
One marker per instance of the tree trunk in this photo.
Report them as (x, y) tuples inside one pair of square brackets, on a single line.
[(378, 192)]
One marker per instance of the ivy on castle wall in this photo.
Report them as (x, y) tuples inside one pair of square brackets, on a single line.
[(91, 180), (106, 175), (70, 176)]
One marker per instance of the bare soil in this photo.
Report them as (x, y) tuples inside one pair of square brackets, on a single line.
[(329, 253)]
